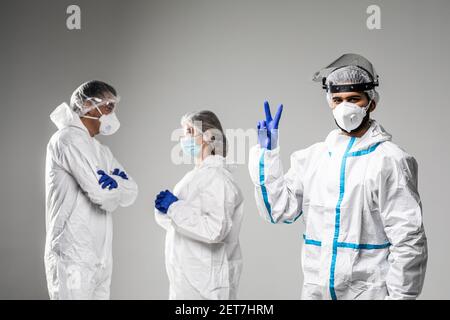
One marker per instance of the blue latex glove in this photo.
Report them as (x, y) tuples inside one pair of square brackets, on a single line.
[(106, 181), (268, 129), (163, 200), (119, 173)]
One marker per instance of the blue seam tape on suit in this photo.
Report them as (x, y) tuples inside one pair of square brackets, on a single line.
[(356, 246), (338, 218), (295, 219), (362, 245), (312, 242), (263, 186), (361, 152), (364, 152), (337, 244)]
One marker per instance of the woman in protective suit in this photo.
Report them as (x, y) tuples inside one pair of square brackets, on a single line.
[(202, 217)]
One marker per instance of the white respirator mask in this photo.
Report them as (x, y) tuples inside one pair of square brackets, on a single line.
[(109, 123), (349, 116)]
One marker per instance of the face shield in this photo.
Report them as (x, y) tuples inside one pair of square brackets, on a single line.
[(348, 59)]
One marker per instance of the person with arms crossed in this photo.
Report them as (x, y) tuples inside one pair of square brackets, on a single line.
[(84, 185)]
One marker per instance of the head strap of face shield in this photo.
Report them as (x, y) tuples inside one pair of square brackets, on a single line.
[(359, 87)]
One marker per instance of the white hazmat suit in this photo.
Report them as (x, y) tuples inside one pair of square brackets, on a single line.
[(78, 247), (203, 255), (358, 197)]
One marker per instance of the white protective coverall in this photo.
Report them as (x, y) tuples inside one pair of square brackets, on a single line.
[(78, 247), (203, 255), (358, 198)]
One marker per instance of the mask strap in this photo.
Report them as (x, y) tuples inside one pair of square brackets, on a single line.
[(94, 118), (99, 111), (368, 105), (89, 117)]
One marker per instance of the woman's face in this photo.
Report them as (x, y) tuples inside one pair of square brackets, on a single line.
[(190, 131)]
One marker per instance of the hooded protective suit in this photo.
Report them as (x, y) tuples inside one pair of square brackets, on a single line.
[(364, 237), (78, 247), (203, 255)]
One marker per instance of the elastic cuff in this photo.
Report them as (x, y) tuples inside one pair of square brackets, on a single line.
[(171, 212)]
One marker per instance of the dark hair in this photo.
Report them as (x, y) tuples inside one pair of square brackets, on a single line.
[(96, 88)]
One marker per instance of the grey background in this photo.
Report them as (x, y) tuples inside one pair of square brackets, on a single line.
[(170, 57)]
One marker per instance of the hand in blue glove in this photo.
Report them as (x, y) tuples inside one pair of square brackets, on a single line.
[(106, 181), (268, 129), (163, 200), (119, 173)]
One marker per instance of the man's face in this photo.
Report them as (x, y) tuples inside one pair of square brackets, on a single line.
[(107, 106), (359, 98)]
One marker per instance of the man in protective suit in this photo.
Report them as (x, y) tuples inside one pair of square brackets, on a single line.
[(356, 192), (84, 185)]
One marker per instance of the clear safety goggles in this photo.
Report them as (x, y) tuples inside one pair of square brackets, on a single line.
[(110, 104)]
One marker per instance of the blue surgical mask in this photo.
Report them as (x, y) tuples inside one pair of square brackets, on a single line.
[(190, 147)]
